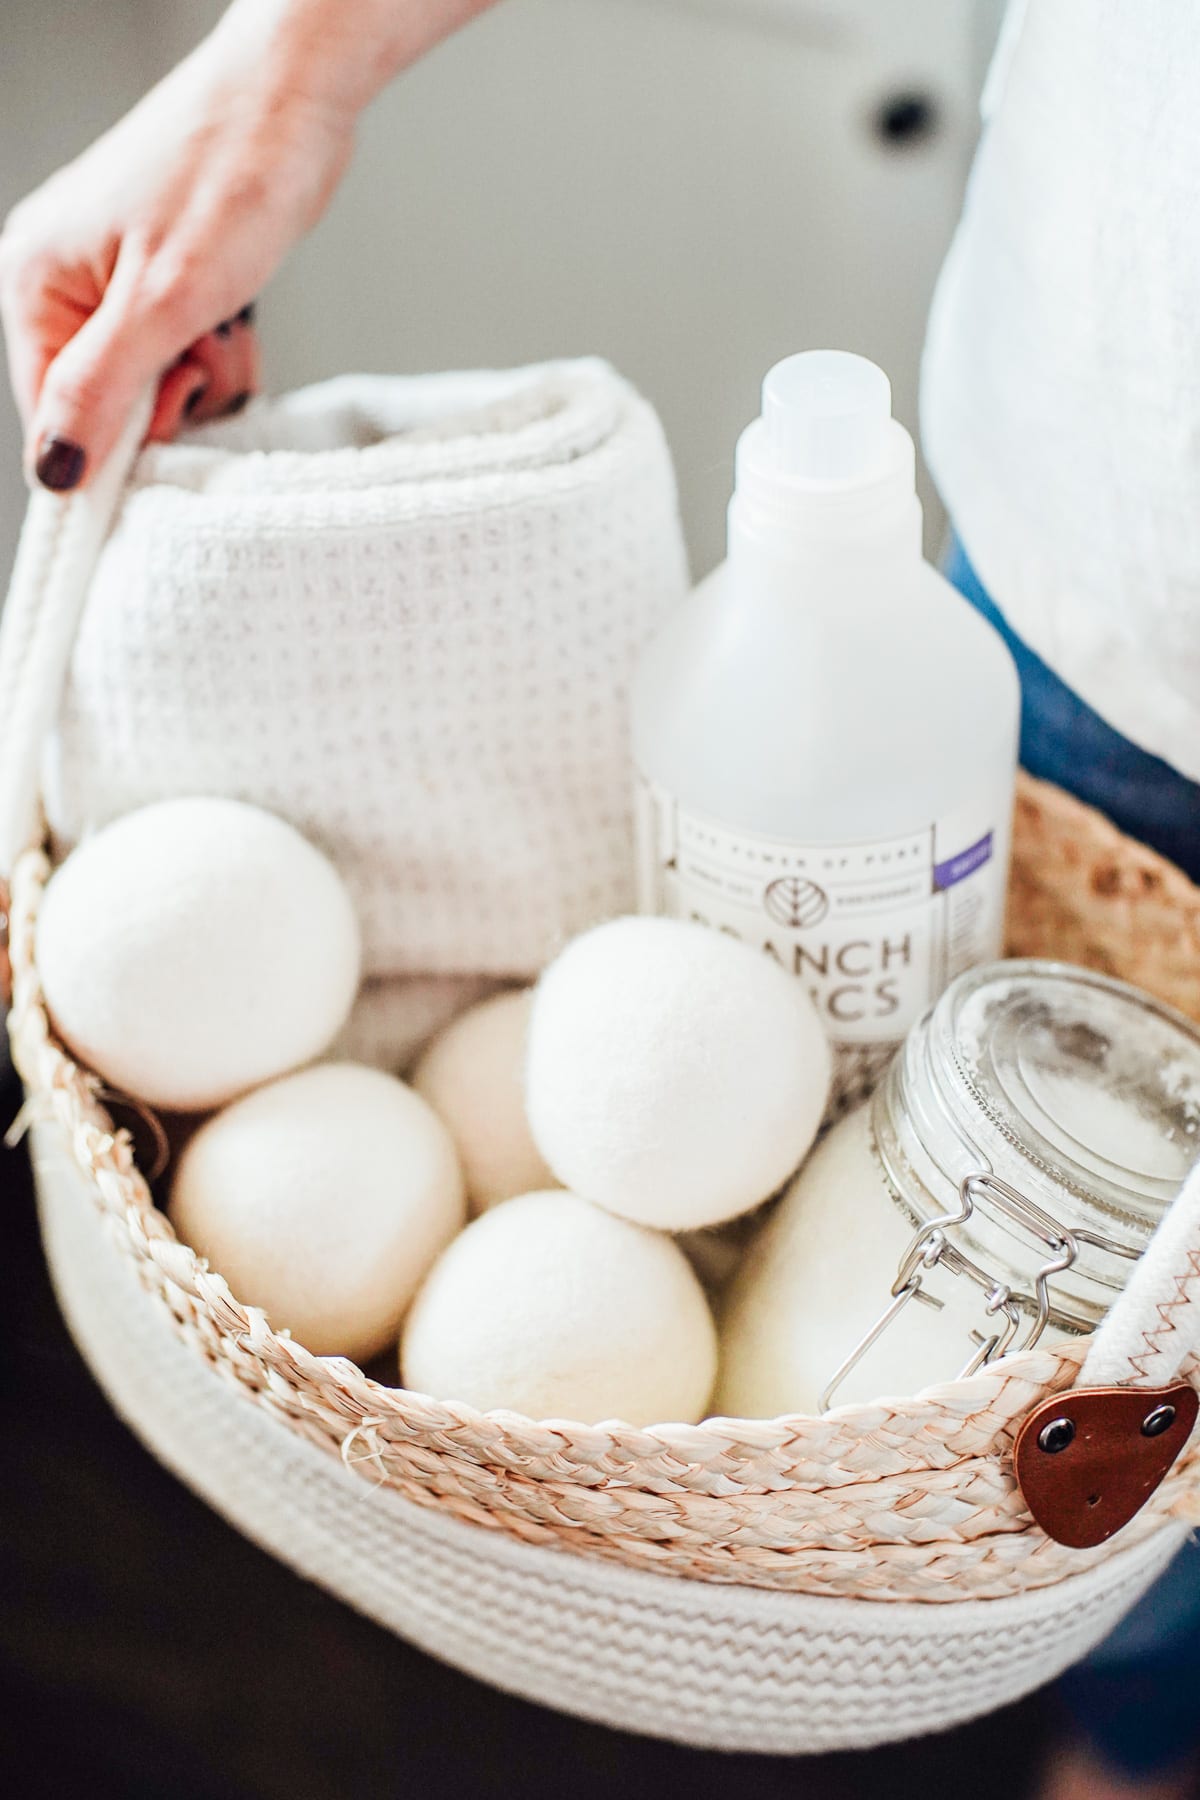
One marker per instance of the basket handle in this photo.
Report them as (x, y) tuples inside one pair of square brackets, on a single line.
[(60, 542), (1154, 1325), (1087, 1461)]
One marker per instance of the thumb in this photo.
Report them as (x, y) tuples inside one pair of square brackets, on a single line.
[(91, 387)]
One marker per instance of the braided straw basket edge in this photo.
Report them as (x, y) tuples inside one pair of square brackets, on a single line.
[(908, 1499)]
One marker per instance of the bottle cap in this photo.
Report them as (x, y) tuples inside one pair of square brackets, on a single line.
[(826, 463), (827, 415)]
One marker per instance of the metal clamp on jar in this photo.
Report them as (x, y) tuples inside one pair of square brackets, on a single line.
[(1014, 1162)]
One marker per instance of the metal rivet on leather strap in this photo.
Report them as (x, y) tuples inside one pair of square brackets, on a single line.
[(1057, 1435), (1155, 1423)]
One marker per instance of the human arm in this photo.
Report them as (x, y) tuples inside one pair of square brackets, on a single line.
[(136, 260)]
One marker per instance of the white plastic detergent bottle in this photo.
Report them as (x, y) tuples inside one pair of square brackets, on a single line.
[(825, 732)]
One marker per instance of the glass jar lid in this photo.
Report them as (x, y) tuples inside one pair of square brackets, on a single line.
[(1098, 1083), (1077, 1090)]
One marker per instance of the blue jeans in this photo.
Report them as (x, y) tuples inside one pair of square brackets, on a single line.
[(1064, 741), (1136, 1698)]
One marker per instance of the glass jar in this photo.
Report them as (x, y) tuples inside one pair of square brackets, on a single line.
[(995, 1191)]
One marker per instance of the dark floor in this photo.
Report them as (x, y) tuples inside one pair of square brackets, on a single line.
[(146, 1649)]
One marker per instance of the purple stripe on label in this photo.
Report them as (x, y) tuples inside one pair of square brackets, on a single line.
[(957, 868)]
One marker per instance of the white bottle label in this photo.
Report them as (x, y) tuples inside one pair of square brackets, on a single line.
[(875, 930)]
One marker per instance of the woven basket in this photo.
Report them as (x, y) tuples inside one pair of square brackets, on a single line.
[(793, 1584)]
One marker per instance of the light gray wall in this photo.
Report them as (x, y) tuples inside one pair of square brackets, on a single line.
[(692, 188)]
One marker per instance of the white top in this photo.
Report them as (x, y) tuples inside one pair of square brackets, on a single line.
[(1061, 385), (826, 416)]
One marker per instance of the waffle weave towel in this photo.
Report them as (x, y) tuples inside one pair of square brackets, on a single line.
[(401, 613)]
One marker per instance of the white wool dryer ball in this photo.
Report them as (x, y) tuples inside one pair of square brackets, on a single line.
[(322, 1198), (551, 1307), (674, 1075), (473, 1076), (196, 947)]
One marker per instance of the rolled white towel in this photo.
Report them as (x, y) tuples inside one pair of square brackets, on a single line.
[(402, 614)]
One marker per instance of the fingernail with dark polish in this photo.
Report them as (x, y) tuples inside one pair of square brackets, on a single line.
[(246, 316), (60, 464), (238, 402), (194, 398)]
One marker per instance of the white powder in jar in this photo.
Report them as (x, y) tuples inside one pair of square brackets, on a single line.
[(1098, 1082)]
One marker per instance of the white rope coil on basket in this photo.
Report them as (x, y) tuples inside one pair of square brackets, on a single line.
[(59, 545), (902, 1500)]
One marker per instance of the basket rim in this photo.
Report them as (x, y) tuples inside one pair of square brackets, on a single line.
[(1170, 880)]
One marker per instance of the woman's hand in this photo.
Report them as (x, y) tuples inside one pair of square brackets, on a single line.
[(138, 261), (133, 261)]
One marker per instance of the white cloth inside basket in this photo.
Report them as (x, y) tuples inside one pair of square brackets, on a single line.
[(394, 1018), (402, 613)]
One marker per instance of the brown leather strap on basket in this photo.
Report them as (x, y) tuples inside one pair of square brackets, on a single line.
[(1089, 1459)]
